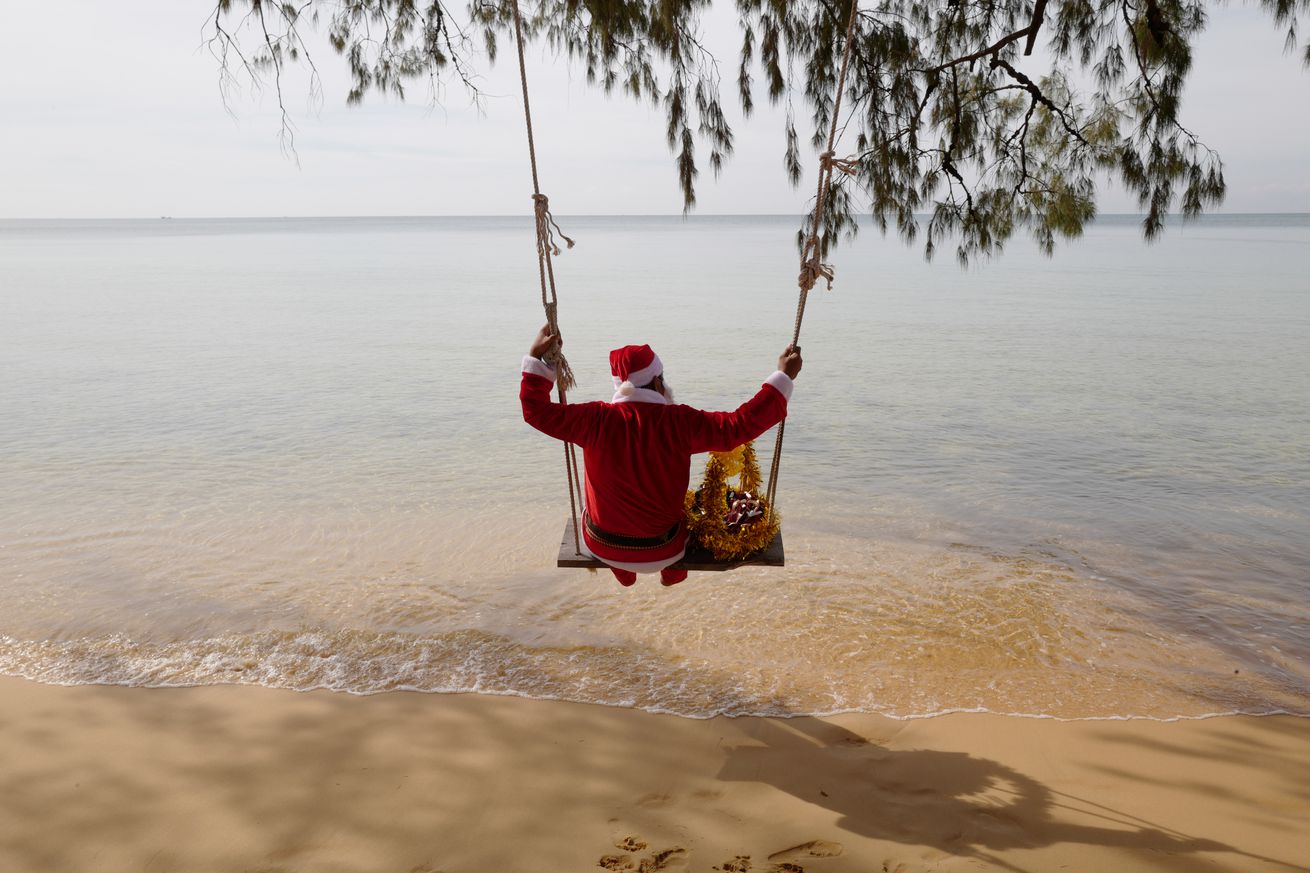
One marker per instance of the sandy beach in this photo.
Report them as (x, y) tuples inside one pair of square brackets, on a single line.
[(282, 587), (231, 778)]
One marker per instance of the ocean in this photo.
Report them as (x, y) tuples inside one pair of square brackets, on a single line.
[(289, 452)]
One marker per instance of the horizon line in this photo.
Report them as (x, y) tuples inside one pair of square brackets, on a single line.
[(685, 216)]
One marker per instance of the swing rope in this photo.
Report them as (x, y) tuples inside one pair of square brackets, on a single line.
[(547, 248), (812, 266)]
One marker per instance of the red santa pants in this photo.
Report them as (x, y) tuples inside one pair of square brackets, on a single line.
[(668, 576)]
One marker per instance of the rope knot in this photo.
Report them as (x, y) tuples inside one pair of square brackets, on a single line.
[(812, 266), (554, 357), (829, 161), (811, 271), (547, 227)]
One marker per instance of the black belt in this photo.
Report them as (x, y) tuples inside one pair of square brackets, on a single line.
[(622, 541)]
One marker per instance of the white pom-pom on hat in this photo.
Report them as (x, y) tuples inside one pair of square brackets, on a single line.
[(627, 389)]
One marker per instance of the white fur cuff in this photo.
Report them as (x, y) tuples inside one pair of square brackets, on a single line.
[(782, 382), (537, 367)]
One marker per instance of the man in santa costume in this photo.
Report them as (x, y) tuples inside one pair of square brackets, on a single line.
[(637, 451)]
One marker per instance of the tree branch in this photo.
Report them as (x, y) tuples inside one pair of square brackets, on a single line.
[(1039, 14), (982, 53), (1031, 87)]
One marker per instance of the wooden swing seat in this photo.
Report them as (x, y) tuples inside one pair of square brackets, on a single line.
[(696, 559)]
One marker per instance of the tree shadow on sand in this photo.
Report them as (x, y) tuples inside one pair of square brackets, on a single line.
[(953, 802)]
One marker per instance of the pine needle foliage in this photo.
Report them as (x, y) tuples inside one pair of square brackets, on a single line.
[(967, 119)]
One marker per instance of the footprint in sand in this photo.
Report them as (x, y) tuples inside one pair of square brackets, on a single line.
[(807, 851), (662, 860), (654, 800), (739, 864), (652, 863)]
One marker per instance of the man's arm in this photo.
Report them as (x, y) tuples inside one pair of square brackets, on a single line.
[(573, 423), (724, 431)]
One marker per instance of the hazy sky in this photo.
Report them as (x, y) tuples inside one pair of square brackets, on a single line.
[(111, 112)]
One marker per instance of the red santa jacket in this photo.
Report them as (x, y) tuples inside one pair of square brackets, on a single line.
[(637, 455)]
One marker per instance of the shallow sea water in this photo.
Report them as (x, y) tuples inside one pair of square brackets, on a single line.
[(289, 452)]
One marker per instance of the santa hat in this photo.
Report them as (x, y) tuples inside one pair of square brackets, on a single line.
[(634, 367)]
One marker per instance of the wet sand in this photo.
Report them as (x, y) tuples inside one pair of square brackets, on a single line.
[(230, 778)]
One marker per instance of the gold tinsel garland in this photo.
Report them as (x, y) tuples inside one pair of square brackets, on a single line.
[(707, 508)]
